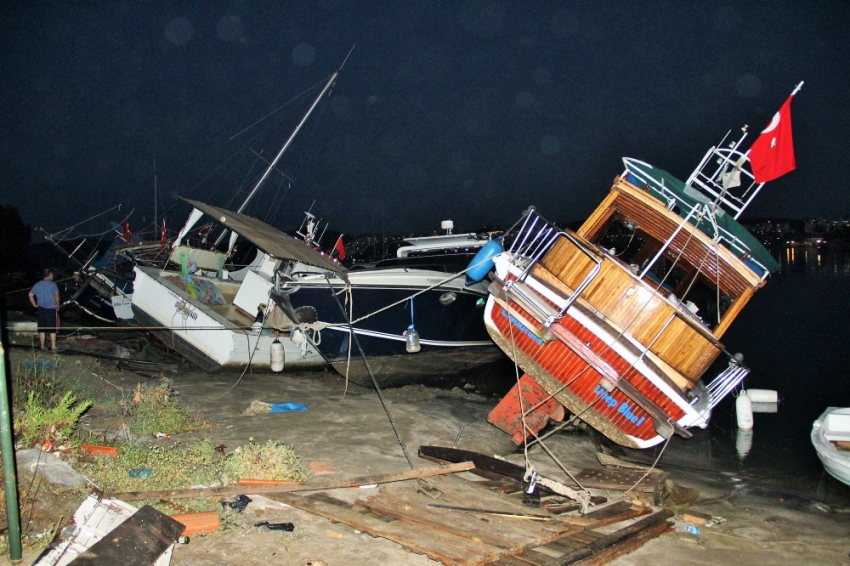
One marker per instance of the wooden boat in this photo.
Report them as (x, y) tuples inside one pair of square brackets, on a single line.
[(831, 439), (618, 322)]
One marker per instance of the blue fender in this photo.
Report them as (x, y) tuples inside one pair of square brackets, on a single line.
[(482, 263)]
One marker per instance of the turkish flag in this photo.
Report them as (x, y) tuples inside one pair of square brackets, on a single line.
[(163, 236), (340, 248), (772, 154), (127, 230)]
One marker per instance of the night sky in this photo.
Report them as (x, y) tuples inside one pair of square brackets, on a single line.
[(465, 110)]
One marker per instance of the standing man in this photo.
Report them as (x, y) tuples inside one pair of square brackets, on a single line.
[(44, 295)]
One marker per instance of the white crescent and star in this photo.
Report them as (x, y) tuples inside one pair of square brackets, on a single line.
[(773, 123)]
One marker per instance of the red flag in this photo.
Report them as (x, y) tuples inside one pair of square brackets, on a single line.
[(340, 248), (127, 230), (772, 154), (163, 235)]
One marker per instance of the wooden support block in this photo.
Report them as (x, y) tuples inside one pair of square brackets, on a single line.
[(842, 444), (198, 523), (696, 517), (534, 412)]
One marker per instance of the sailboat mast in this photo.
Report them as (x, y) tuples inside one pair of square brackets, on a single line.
[(286, 145), (155, 193), (280, 153)]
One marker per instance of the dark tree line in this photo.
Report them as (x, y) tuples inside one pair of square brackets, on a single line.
[(14, 241)]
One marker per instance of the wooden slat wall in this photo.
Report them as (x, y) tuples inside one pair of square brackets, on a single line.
[(631, 305)]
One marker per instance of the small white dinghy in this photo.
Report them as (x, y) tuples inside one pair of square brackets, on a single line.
[(831, 439)]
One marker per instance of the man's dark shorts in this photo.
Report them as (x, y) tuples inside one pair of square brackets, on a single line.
[(47, 320)]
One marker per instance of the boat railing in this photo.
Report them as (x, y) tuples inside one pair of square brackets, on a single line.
[(724, 383), (673, 200), (535, 237)]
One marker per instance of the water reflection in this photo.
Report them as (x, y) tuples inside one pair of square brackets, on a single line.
[(793, 334), (833, 260)]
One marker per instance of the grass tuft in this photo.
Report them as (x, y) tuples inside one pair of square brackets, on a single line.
[(38, 422), (273, 460), (153, 409)]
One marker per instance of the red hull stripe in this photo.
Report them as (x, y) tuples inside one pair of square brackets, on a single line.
[(565, 366)]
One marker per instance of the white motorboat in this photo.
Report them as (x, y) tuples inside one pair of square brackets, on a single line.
[(831, 439)]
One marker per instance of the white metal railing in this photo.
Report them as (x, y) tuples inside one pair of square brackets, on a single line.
[(536, 237), (725, 382)]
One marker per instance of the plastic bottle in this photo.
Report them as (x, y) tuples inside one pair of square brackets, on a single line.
[(412, 340)]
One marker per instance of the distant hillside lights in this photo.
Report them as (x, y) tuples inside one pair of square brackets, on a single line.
[(790, 231)]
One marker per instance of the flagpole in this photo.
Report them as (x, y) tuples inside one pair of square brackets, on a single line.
[(797, 88)]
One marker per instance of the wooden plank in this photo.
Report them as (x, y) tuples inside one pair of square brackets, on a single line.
[(621, 479), (597, 516), (440, 546), (493, 467), (138, 541), (612, 539), (428, 522), (513, 535), (636, 511), (626, 546), (306, 486), (612, 461), (517, 560)]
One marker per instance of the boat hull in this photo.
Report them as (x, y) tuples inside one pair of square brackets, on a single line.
[(202, 335), (448, 318), (835, 462)]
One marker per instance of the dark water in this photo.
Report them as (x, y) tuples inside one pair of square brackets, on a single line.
[(795, 336)]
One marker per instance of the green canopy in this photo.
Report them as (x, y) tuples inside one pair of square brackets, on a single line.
[(664, 186)]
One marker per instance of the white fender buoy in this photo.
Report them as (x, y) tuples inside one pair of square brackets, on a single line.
[(762, 395), (765, 407), (744, 442), (744, 411), (276, 352)]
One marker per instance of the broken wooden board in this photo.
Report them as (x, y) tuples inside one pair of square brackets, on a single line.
[(463, 539), (613, 539), (489, 467), (286, 488), (138, 541), (93, 520), (621, 480)]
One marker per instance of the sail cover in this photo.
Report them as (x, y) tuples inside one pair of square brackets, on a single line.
[(269, 239)]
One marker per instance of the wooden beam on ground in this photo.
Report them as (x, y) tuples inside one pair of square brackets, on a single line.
[(625, 546), (621, 480), (612, 539), (288, 488), (612, 461), (489, 467)]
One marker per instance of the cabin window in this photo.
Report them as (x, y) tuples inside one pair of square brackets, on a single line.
[(634, 249)]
